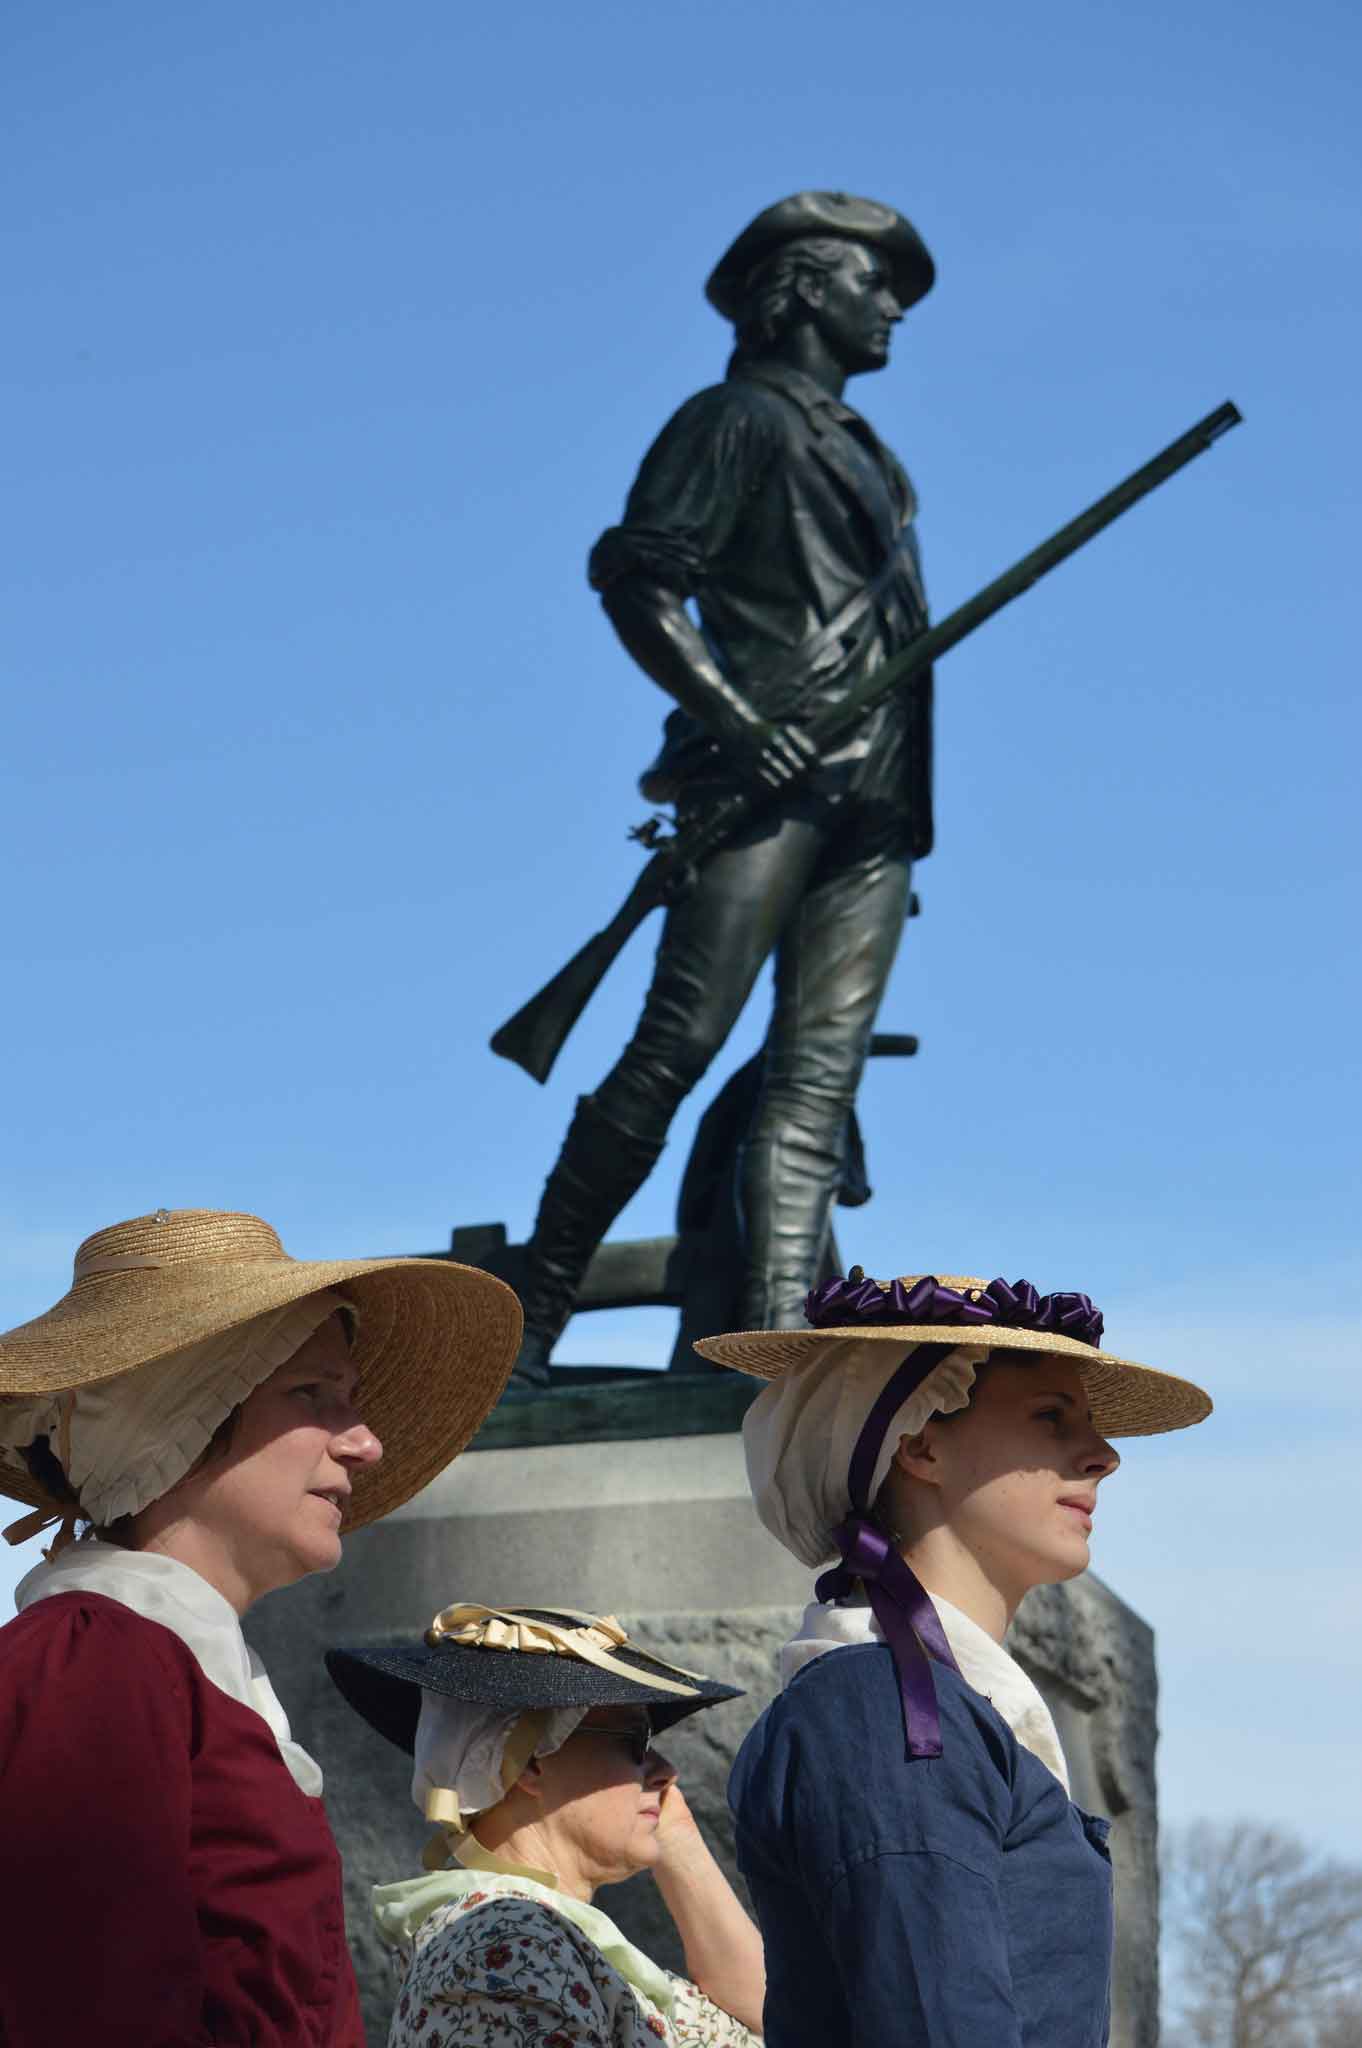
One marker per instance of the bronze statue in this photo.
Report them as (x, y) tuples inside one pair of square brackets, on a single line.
[(777, 509), (799, 759)]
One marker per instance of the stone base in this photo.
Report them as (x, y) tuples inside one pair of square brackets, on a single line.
[(662, 1533)]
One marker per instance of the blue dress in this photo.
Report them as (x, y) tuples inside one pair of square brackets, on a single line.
[(962, 1901)]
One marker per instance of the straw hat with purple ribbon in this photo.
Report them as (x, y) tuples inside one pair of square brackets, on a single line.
[(434, 1341), (818, 1441), (1126, 1399)]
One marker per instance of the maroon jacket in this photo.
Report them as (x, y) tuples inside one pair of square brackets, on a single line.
[(164, 1882)]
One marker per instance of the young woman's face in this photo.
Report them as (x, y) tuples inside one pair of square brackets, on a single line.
[(601, 1796), (268, 1509), (1018, 1473)]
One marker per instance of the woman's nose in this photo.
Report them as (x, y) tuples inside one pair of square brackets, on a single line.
[(1101, 1458), (356, 1444), (657, 1771)]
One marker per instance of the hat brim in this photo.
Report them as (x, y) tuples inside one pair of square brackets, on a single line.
[(1126, 1399), (384, 1685), (435, 1345)]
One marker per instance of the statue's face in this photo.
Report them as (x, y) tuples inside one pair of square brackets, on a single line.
[(854, 309)]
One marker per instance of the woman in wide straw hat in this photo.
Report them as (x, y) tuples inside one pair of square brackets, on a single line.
[(531, 1733), (215, 1414), (902, 1808)]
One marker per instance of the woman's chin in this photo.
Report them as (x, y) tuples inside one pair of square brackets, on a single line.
[(1066, 1561), (319, 1552), (1077, 1557)]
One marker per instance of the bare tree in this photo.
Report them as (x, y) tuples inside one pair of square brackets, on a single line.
[(1341, 2027), (1265, 1938)]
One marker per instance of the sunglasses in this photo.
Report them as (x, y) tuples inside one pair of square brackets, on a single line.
[(637, 1735)]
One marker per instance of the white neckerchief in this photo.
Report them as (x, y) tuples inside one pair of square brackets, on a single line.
[(984, 1665), (164, 1590)]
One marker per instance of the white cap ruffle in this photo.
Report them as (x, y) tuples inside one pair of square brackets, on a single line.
[(461, 1749), (800, 1432), (125, 1441)]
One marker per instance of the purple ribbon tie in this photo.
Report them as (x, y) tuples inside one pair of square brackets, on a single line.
[(908, 1621), (899, 1602)]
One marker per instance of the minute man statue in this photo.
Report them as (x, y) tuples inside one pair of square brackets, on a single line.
[(773, 506)]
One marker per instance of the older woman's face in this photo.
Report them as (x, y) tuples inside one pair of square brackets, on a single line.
[(268, 1509), (602, 1794)]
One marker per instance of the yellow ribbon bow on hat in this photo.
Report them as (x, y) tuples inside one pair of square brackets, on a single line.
[(589, 1637)]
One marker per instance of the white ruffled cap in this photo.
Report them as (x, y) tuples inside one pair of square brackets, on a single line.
[(123, 1442), (461, 1747), (800, 1432)]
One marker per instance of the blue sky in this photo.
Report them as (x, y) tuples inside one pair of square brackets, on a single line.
[(336, 335)]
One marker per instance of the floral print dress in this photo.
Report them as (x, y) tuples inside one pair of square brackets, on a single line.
[(491, 1961)]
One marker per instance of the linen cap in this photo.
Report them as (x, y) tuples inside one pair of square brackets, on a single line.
[(124, 1442), (800, 1432), (465, 1758)]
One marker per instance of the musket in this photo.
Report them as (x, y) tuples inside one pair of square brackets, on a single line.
[(535, 1035)]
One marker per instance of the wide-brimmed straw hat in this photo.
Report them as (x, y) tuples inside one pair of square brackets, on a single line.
[(521, 1660), (1126, 1399), (434, 1346)]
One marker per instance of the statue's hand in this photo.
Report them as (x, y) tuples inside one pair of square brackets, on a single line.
[(772, 754)]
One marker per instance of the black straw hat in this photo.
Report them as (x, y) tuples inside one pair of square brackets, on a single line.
[(519, 1659)]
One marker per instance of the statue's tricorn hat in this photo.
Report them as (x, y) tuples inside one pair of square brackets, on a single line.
[(824, 213)]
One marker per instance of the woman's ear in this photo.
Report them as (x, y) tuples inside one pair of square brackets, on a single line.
[(916, 1457), (531, 1779)]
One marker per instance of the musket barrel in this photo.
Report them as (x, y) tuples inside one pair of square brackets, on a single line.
[(937, 640)]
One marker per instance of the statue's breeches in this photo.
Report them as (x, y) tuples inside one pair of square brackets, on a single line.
[(827, 895)]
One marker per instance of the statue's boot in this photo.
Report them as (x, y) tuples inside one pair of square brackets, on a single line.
[(599, 1168), (788, 1179)]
